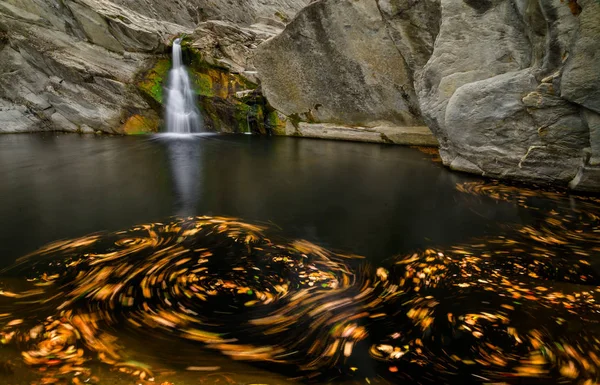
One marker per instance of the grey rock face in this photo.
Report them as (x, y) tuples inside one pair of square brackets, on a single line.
[(336, 62), (95, 27), (412, 136), (70, 65), (587, 179), (74, 84), (249, 11), (580, 82), (414, 26), (593, 122), (63, 65), (190, 13), (471, 46), (17, 118), (228, 45), (504, 88)]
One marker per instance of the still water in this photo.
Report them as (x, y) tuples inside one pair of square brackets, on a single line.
[(348, 262), (368, 199)]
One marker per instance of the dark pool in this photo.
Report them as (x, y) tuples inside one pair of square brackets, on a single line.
[(376, 200), (348, 262)]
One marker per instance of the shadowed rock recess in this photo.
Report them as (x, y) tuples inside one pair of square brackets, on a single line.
[(509, 88)]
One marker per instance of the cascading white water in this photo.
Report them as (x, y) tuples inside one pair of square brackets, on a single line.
[(182, 114)]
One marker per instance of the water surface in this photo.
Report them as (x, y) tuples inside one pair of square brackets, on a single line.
[(376, 200), (215, 259)]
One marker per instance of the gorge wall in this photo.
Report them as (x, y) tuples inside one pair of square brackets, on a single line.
[(346, 68), (509, 88), (73, 65)]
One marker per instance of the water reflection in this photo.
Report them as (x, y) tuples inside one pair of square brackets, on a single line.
[(372, 199), (185, 163), (456, 287)]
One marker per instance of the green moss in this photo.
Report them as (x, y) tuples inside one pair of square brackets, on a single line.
[(275, 125), (186, 40), (211, 114), (222, 82), (139, 124), (123, 19), (204, 84), (151, 82), (243, 113), (217, 90), (247, 84), (260, 115), (282, 16), (295, 119)]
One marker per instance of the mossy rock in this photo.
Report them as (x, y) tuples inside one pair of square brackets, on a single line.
[(276, 122), (217, 90), (139, 124), (204, 84), (218, 82), (282, 16), (152, 81)]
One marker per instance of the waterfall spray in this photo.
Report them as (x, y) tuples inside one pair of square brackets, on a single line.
[(182, 114)]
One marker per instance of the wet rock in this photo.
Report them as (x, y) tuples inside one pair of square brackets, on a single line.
[(141, 124), (587, 179)]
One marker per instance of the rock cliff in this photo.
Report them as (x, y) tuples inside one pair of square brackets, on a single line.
[(350, 64), (509, 88), (71, 65)]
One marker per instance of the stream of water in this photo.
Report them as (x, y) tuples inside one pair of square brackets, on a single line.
[(181, 110)]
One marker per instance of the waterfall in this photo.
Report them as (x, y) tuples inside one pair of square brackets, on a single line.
[(182, 114)]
